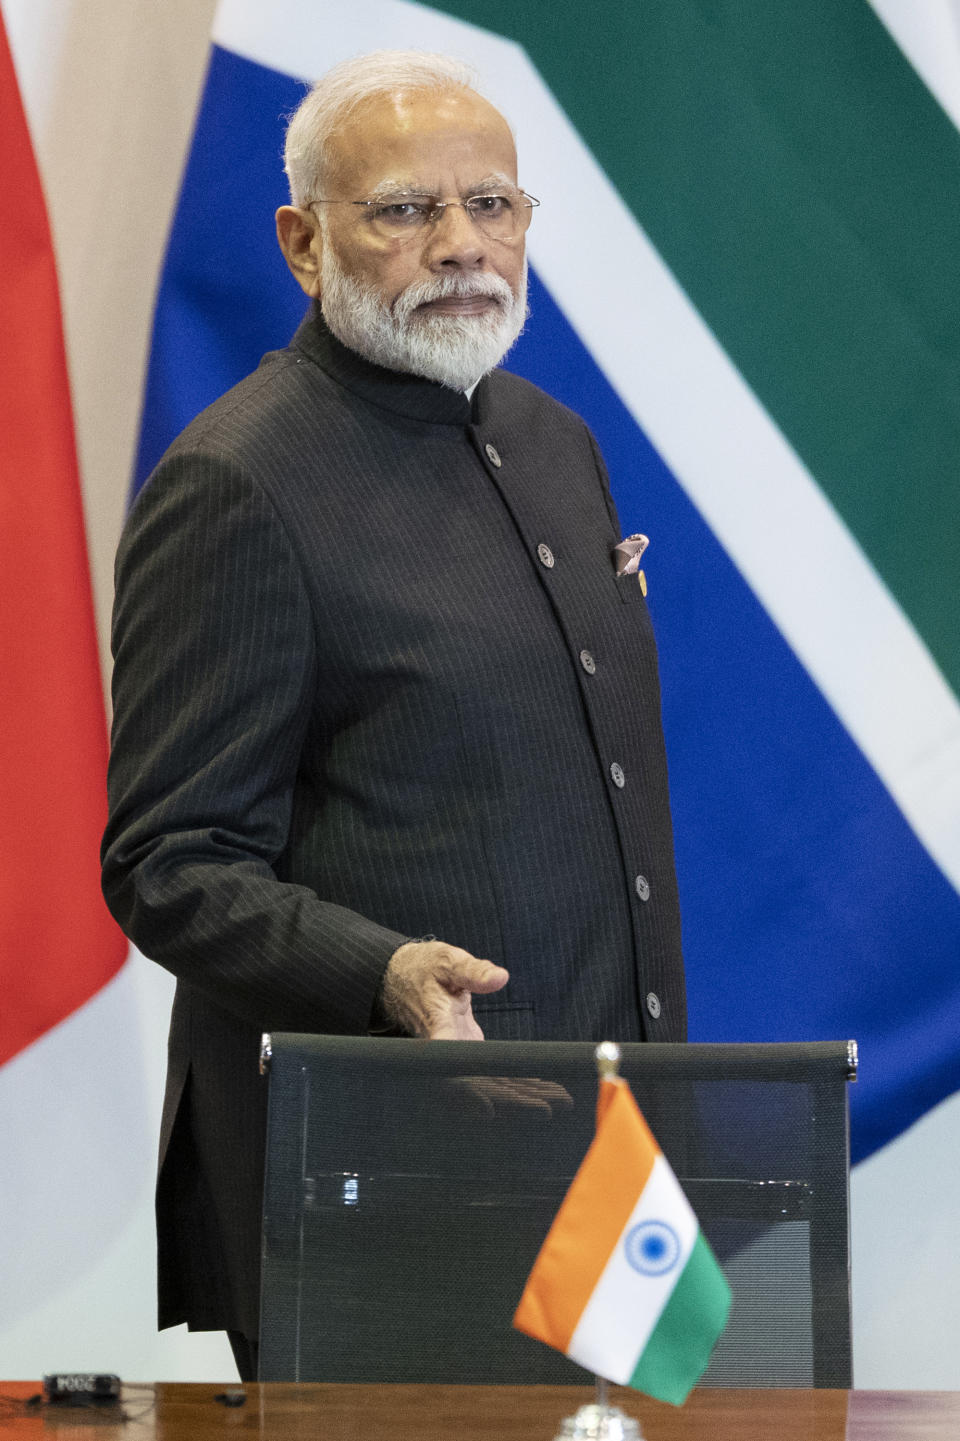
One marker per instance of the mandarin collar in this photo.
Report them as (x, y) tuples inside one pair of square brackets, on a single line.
[(408, 395)]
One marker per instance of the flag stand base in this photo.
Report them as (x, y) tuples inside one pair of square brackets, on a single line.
[(599, 1423)]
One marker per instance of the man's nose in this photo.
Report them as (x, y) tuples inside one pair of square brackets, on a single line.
[(454, 239)]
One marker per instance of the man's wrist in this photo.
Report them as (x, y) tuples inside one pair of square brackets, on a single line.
[(381, 1024)]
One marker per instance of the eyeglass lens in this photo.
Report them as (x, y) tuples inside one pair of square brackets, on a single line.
[(501, 217)]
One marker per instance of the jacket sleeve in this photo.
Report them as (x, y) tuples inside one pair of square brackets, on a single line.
[(215, 671)]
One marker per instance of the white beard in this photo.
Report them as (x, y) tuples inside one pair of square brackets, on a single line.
[(455, 350)]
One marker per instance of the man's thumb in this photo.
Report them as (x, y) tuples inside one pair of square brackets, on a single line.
[(482, 977)]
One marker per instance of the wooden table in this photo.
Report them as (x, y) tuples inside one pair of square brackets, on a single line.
[(281, 1412)]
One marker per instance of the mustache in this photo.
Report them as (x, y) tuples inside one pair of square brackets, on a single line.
[(457, 284)]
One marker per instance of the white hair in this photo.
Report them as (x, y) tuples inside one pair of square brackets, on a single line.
[(454, 350), (307, 150)]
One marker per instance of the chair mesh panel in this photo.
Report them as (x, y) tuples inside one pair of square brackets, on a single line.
[(409, 1190)]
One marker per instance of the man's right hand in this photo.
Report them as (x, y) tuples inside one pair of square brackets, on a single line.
[(427, 988)]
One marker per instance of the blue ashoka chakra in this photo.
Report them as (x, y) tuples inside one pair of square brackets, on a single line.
[(652, 1248)]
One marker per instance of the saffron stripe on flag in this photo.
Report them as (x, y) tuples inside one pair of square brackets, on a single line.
[(595, 1212)]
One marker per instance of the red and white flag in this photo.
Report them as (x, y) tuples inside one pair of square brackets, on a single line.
[(58, 944)]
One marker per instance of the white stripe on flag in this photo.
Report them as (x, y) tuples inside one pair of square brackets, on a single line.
[(929, 36), (677, 381), (626, 1305), (297, 37)]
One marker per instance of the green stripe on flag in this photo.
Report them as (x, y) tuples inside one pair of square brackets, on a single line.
[(804, 187), (677, 1353)]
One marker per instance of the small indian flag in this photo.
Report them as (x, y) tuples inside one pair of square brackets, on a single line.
[(625, 1283)]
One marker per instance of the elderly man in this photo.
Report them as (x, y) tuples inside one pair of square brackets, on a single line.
[(387, 749)]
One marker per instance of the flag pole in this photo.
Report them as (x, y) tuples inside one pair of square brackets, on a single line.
[(599, 1421), (607, 1057)]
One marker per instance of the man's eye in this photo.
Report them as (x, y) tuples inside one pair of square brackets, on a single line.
[(401, 212), (490, 205)]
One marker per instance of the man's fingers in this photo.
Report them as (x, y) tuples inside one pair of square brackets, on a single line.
[(549, 1091), (493, 1096)]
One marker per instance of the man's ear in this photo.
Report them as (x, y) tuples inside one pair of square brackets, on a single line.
[(300, 239)]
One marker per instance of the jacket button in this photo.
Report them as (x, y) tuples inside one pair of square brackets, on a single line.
[(653, 1004), (617, 776), (588, 662), (493, 455), (546, 555), (643, 888)]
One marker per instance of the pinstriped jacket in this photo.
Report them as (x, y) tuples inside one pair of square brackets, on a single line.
[(374, 677)]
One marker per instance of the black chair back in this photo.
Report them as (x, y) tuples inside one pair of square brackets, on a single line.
[(410, 1184)]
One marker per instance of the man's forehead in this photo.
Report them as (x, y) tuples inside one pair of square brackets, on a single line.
[(401, 136)]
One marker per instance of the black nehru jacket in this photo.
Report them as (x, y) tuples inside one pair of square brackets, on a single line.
[(375, 678)]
